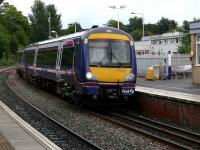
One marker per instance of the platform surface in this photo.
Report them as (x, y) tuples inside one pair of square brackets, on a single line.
[(180, 89), (16, 134)]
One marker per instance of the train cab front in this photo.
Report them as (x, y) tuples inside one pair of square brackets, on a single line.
[(111, 71)]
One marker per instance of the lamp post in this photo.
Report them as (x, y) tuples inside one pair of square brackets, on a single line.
[(118, 8), (142, 21), (75, 27), (49, 21)]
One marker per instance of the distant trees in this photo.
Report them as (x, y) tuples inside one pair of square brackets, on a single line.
[(135, 27), (14, 30), (114, 23), (72, 27), (56, 23), (165, 25), (39, 21), (186, 39)]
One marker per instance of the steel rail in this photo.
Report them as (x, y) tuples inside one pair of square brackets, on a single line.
[(147, 129), (91, 145), (186, 134)]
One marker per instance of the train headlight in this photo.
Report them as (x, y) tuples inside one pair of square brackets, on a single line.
[(90, 76), (130, 77)]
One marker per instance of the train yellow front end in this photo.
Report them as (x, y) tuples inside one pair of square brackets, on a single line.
[(111, 64)]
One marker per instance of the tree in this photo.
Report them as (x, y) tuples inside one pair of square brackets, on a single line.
[(151, 29), (4, 40), (15, 27), (56, 24), (71, 28), (39, 20), (114, 23), (135, 24), (137, 34), (186, 39), (165, 25)]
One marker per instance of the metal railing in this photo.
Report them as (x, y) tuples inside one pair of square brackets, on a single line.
[(146, 61)]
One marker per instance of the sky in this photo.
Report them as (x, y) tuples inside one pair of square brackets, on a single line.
[(97, 12)]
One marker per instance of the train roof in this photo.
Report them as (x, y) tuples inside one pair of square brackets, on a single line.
[(82, 34), (78, 34)]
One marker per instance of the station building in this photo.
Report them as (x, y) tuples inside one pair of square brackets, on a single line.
[(159, 44), (195, 51)]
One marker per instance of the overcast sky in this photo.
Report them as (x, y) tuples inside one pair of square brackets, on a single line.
[(96, 12)]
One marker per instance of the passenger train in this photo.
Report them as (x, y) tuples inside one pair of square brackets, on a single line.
[(97, 65)]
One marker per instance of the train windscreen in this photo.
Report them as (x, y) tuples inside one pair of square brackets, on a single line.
[(109, 53)]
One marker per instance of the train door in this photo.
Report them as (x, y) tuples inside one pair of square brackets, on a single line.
[(58, 61), (35, 60), (66, 61), (77, 62)]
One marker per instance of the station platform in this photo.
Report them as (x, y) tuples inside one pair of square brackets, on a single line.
[(16, 134), (179, 89)]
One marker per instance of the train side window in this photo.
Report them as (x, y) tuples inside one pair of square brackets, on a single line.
[(41, 58), (67, 56), (47, 57), (51, 57)]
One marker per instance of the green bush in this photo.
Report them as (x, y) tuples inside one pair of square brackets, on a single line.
[(8, 59)]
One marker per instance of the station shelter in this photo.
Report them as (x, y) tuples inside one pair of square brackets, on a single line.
[(195, 51)]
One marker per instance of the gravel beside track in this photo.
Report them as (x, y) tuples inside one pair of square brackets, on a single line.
[(104, 134)]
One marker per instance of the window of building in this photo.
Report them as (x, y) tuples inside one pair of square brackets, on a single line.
[(139, 53), (198, 49), (177, 40), (146, 51)]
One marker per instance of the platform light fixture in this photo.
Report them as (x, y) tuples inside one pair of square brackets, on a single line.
[(54, 32), (117, 8)]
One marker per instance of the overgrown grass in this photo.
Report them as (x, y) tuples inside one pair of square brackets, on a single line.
[(7, 61)]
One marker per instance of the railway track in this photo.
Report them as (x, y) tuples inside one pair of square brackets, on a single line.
[(53, 130), (178, 137)]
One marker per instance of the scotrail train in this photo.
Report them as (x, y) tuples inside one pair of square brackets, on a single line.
[(95, 65)]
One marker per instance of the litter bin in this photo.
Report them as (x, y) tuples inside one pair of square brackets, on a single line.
[(153, 73)]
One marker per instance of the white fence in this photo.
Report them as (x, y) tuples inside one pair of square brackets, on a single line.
[(146, 61)]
